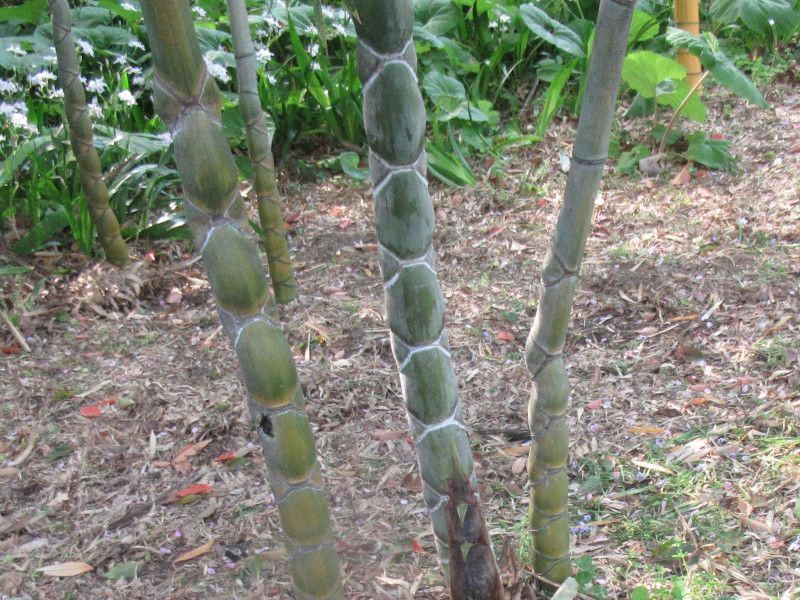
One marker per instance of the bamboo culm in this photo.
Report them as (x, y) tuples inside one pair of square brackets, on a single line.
[(394, 119), (80, 127), (547, 461), (188, 100), (259, 148)]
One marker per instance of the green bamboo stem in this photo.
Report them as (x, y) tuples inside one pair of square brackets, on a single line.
[(188, 100), (394, 118), (80, 126), (547, 462), (259, 148)]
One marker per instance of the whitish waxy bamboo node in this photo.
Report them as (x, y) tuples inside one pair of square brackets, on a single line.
[(547, 461), (188, 100), (394, 119)]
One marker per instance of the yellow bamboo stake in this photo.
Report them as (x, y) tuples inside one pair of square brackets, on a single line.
[(687, 17)]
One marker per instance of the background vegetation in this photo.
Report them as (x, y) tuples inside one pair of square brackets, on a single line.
[(494, 74)]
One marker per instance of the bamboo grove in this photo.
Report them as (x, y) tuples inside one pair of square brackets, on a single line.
[(189, 102)]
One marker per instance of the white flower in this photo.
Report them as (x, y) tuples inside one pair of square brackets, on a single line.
[(19, 119), (95, 110), (96, 85), (127, 6), (271, 22), (16, 49), (312, 29), (166, 138), (56, 93), (41, 78), (315, 66), (504, 18), (134, 70), (314, 50), (263, 55), (272, 79), (85, 47), (2, 138), (6, 85), (136, 44), (51, 58), (199, 11), (127, 97), (120, 59), (138, 80), (219, 72), (340, 28)]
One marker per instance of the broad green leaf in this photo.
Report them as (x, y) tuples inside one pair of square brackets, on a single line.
[(42, 233), (12, 270), (643, 71), (722, 69), (130, 16), (643, 27), (554, 98), (127, 570), (551, 31), (760, 16), (438, 84), (349, 163), (694, 108), (438, 17), (628, 162), (712, 153), (135, 143), (28, 12), (640, 593)]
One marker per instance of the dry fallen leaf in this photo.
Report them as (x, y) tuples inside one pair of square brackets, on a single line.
[(174, 297), (66, 569), (197, 551), (683, 177), (191, 450), (655, 430), (652, 466), (518, 465)]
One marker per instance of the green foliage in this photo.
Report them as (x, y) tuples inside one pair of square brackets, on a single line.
[(765, 20), (478, 60), (706, 47), (710, 152), (586, 576), (660, 78)]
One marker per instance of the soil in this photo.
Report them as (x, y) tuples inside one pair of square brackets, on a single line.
[(682, 354)]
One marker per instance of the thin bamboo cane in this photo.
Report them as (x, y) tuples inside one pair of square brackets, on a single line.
[(394, 118), (547, 470), (188, 100), (687, 17), (284, 284), (80, 126)]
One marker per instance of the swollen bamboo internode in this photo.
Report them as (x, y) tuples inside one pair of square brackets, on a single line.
[(394, 119), (188, 100), (80, 127), (547, 461)]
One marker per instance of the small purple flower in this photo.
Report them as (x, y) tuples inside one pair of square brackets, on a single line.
[(639, 475)]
